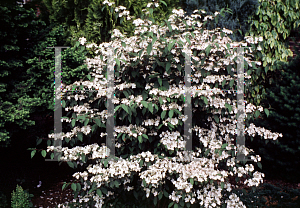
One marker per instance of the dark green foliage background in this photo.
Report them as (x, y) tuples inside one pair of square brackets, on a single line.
[(27, 67), (282, 158), (94, 20), (241, 11)]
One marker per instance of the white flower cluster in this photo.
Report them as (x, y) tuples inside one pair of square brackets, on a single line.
[(108, 3), (150, 122), (172, 141), (85, 129), (209, 196), (251, 108), (261, 131), (75, 152), (234, 202), (127, 130), (119, 169), (82, 40), (256, 180)]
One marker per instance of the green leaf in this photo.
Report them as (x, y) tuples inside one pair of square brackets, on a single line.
[(64, 186), (144, 182), (160, 126), (224, 145), (160, 81), (126, 94), (144, 111), (222, 185), (259, 165), (171, 204), (98, 122), (33, 153), (94, 128), (144, 135), (170, 46), (175, 205), (144, 103), (267, 112), (188, 40), (192, 181), (140, 139), (217, 45), (125, 107), (150, 107), (231, 83), (151, 11), (166, 194), (161, 101), (164, 3), (119, 135), (171, 112), (70, 164), (223, 83), (86, 121), (257, 113), (207, 50), (118, 61), (105, 163), (104, 190), (80, 136), (214, 37), (73, 122), (63, 103), (140, 52), (73, 186), (149, 48), (169, 26), (117, 184), (78, 186), (228, 106), (99, 193), (160, 195), (155, 201), (168, 65), (205, 100), (228, 46), (44, 153), (123, 44), (163, 114)]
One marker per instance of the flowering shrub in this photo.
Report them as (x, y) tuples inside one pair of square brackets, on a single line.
[(149, 167)]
